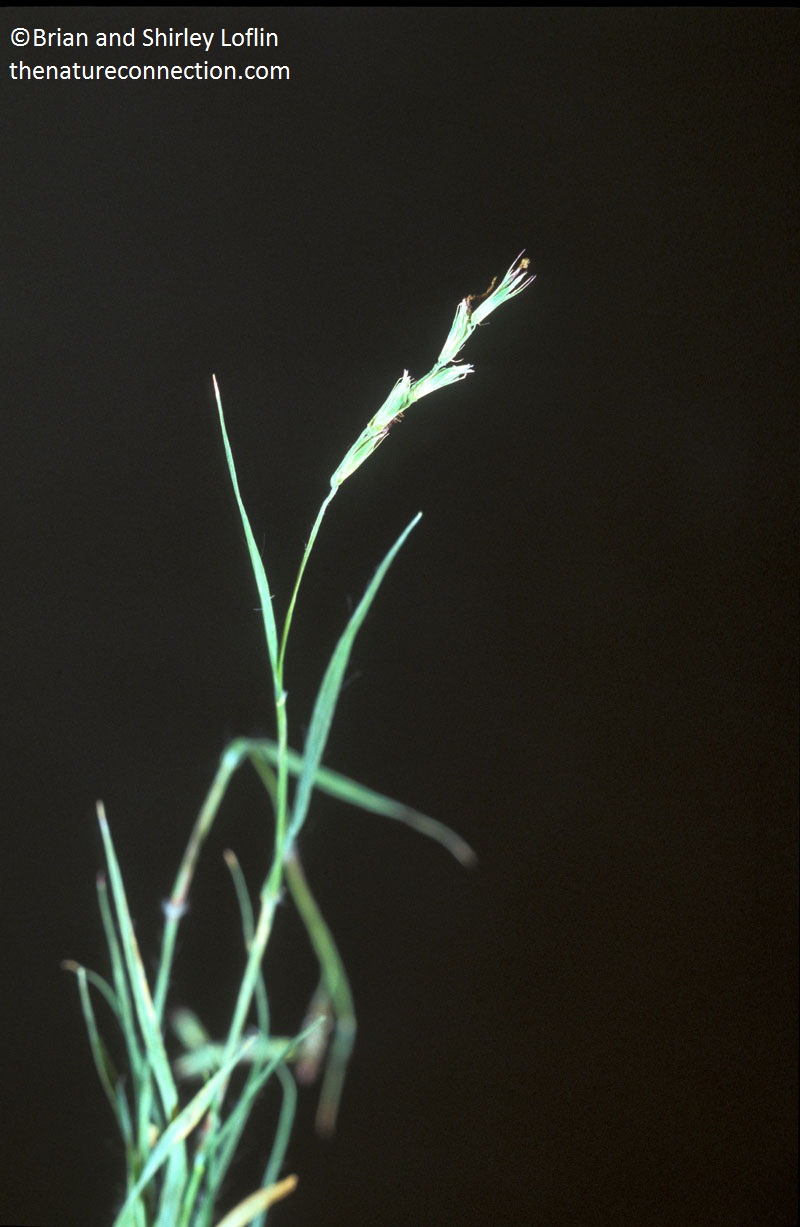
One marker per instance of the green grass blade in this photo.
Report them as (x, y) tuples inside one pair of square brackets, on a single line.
[(176, 1133), (142, 1000), (282, 1134), (328, 695), (248, 929), (264, 594), (333, 995), (106, 1072), (352, 793), (229, 1135), (127, 1020), (230, 761), (103, 987)]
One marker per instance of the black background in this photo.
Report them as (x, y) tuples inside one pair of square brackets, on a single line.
[(584, 659)]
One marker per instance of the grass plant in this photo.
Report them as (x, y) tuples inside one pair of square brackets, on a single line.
[(179, 1143)]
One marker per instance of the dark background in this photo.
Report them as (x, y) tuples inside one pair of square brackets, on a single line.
[(584, 659)]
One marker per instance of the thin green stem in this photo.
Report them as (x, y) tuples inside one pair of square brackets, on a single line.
[(306, 554), (175, 908), (283, 1131), (248, 927)]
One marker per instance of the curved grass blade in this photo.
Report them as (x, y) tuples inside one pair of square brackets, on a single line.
[(102, 986), (106, 1072), (342, 788)]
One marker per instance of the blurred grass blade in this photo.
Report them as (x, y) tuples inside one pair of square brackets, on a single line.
[(328, 695), (207, 1058), (102, 986), (352, 793), (332, 1002), (229, 1136), (258, 1202), (102, 1061), (248, 929), (189, 1029), (283, 1131), (177, 1132)]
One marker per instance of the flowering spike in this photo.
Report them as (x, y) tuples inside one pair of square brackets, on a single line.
[(471, 312), (512, 284)]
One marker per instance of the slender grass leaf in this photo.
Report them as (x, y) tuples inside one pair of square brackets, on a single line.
[(175, 909), (179, 1129), (328, 695), (334, 992), (352, 793), (283, 1131), (248, 929), (126, 1012), (227, 1140), (142, 1000), (264, 594), (102, 1061), (96, 981)]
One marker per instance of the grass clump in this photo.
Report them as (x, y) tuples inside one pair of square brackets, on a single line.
[(179, 1144)]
